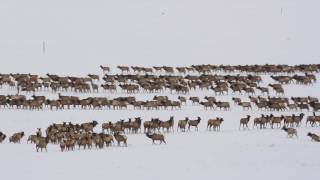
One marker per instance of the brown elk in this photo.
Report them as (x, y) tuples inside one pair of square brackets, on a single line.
[(276, 120), (62, 146), (120, 138), (123, 68), (194, 100), (215, 123), (312, 120), (223, 105), (182, 99), (2, 137), (41, 143), (156, 137), (16, 137), (314, 137), (89, 126), (194, 123), (207, 105), (290, 131), (245, 105), (236, 100), (85, 141), (244, 122), (105, 68), (182, 124), (70, 144), (167, 124), (264, 90), (94, 76)]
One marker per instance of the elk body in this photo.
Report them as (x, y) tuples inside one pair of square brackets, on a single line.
[(16, 137), (215, 123), (314, 137), (194, 123), (156, 137), (290, 132)]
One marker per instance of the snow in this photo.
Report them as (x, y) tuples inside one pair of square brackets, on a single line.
[(80, 35)]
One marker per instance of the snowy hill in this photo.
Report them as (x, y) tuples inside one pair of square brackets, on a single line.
[(80, 34)]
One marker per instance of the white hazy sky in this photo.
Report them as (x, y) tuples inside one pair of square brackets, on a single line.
[(81, 34)]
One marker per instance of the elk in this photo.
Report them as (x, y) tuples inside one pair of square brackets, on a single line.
[(94, 77), (194, 100), (89, 126), (223, 105), (70, 144), (2, 137), (41, 143), (314, 137), (98, 140), (182, 99), (297, 119), (62, 145), (167, 124), (105, 68), (85, 141), (120, 138), (194, 123), (16, 137), (123, 68), (182, 124), (32, 139), (290, 131), (276, 120), (215, 123), (245, 105), (207, 105), (156, 137), (263, 90), (261, 121), (108, 139), (136, 125), (244, 122), (312, 120), (236, 100)]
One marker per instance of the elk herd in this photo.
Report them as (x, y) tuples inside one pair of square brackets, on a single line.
[(68, 136), (158, 103), (246, 84)]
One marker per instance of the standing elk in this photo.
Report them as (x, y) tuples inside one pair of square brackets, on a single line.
[(182, 124), (105, 69), (244, 122), (312, 120), (156, 137), (245, 105), (194, 123), (16, 137), (120, 138), (195, 100), (276, 120), (167, 124), (314, 137), (215, 123), (89, 126), (41, 143), (290, 132), (2, 137)]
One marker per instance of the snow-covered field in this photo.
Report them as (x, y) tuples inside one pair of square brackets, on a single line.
[(81, 35)]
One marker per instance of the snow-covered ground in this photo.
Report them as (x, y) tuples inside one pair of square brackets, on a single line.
[(80, 35)]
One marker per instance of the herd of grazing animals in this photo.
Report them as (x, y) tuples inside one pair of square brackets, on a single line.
[(158, 103), (146, 80), (69, 136), (217, 80)]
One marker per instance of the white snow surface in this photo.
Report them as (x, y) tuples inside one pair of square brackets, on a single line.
[(80, 35)]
